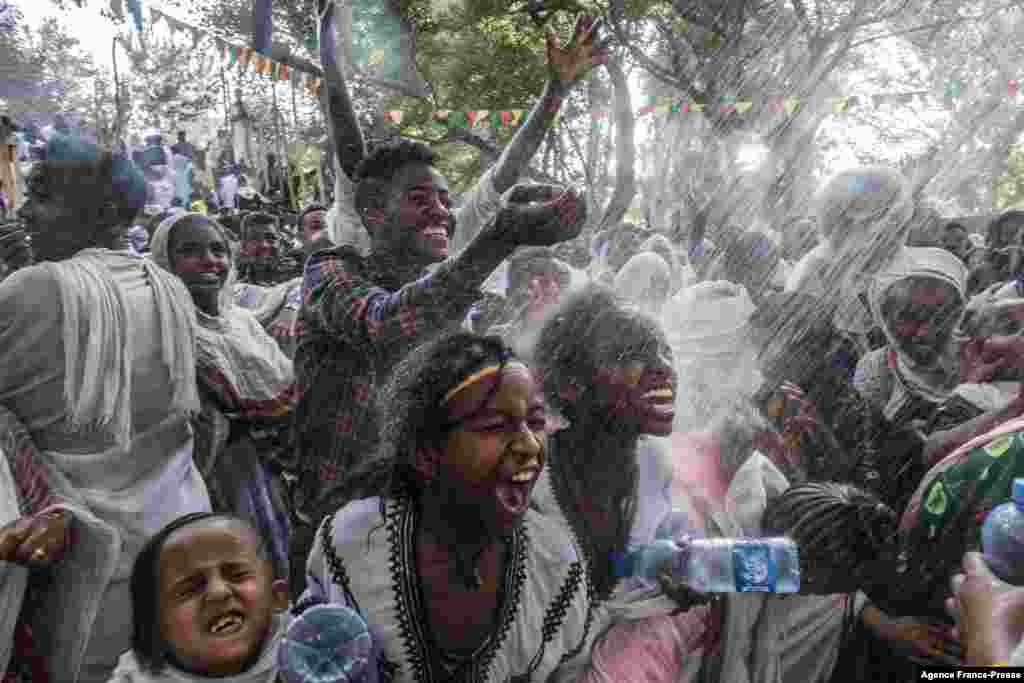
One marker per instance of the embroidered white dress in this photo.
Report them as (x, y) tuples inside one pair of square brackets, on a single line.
[(364, 557)]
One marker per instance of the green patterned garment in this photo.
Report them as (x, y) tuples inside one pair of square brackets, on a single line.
[(945, 515)]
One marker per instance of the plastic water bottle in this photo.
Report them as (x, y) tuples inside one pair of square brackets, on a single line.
[(719, 565), (327, 644), (1002, 537)]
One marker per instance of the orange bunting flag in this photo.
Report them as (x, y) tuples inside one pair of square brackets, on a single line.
[(245, 58), (283, 72)]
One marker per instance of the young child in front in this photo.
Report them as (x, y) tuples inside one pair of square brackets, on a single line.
[(205, 605)]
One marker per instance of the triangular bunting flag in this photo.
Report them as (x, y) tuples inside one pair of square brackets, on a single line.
[(471, 117), (283, 72), (495, 120), (244, 58), (744, 106), (675, 107), (644, 110), (661, 109), (697, 107), (457, 119), (839, 104), (506, 118), (516, 115), (601, 114), (729, 103), (775, 103), (1012, 89), (232, 55), (442, 115), (481, 116), (790, 104), (394, 116), (952, 88)]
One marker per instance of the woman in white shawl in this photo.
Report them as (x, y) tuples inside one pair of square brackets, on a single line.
[(246, 383), (97, 360)]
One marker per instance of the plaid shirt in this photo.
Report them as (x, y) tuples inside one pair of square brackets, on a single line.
[(356, 322)]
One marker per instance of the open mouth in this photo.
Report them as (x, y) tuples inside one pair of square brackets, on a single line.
[(436, 234), (661, 402), (514, 493), (227, 624)]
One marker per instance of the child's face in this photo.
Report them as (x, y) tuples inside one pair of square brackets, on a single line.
[(217, 597)]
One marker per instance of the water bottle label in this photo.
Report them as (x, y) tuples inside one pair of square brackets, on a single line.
[(755, 570)]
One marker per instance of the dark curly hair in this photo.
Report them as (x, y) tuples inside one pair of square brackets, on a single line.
[(568, 348), (147, 643), (253, 220), (412, 410), (375, 173)]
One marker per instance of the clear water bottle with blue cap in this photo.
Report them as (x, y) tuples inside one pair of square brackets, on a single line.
[(718, 565), (1002, 537)]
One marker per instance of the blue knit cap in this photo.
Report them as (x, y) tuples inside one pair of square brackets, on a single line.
[(328, 644), (128, 184)]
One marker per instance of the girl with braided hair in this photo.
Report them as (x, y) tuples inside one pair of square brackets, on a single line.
[(456, 576), (848, 542)]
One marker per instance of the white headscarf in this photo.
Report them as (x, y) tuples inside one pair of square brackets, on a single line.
[(635, 280), (934, 383)]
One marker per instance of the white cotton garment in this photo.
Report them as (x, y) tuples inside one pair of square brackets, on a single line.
[(263, 671)]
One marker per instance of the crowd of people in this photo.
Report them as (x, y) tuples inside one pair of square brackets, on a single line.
[(453, 422)]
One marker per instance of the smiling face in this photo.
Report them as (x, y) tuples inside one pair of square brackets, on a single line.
[(417, 222), (921, 314), (493, 455), (200, 256), (634, 383), (216, 596)]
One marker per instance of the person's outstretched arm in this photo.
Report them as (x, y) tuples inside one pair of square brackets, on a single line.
[(566, 66), (342, 124)]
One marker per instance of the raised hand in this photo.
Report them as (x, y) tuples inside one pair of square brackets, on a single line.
[(568, 64), (541, 215), (989, 613), (35, 542), (15, 246)]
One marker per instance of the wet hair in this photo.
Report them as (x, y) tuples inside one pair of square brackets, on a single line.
[(413, 412), (836, 526), (565, 353), (993, 236), (105, 190), (375, 173), (255, 220), (147, 642)]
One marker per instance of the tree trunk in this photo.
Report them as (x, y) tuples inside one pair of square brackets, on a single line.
[(625, 150)]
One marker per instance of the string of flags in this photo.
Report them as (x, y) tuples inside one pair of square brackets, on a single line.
[(231, 55), (665, 105)]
